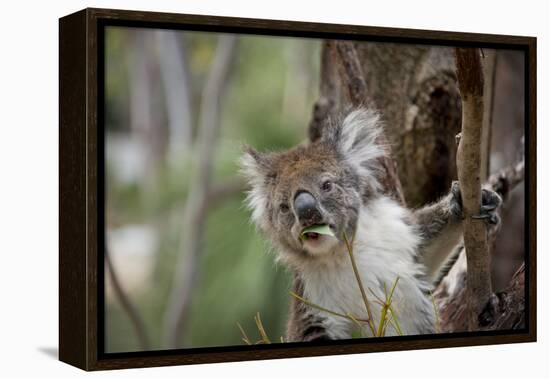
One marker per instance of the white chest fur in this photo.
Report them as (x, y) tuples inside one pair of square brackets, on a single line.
[(384, 248)]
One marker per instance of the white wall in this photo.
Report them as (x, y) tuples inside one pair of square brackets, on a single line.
[(29, 177)]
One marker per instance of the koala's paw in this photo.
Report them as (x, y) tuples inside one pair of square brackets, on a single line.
[(455, 205), (490, 202)]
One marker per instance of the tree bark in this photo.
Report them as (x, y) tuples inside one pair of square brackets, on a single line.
[(415, 89), (470, 81), (451, 295), (343, 55)]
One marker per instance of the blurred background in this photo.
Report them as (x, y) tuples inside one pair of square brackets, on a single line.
[(183, 263), (179, 104)]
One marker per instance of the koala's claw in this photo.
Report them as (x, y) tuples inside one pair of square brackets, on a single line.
[(491, 218), (490, 207), (490, 201)]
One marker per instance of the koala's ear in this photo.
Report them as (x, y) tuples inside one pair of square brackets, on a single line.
[(356, 139), (255, 168), (254, 165)]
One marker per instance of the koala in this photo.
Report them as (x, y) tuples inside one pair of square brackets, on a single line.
[(334, 182)]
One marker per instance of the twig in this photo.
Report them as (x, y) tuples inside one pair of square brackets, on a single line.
[(125, 302), (220, 192), (360, 283), (307, 302), (470, 82), (377, 298), (356, 322), (352, 73), (244, 336), (436, 313), (395, 321), (347, 316), (505, 180), (383, 313), (261, 328)]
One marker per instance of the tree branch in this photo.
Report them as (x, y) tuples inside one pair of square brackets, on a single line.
[(328, 94), (470, 82), (176, 83), (352, 73), (352, 76), (451, 293), (489, 73), (507, 310), (177, 314), (505, 180), (223, 191), (127, 306)]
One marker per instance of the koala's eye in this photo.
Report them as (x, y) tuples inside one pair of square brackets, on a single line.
[(327, 186), (284, 208)]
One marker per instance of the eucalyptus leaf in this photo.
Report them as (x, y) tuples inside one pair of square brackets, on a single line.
[(319, 229)]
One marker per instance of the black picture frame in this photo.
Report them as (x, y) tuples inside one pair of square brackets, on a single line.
[(81, 160)]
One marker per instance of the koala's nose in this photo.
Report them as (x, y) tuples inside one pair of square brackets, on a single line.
[(306, 208)]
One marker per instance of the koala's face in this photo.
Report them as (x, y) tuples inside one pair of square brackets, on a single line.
[(324, 183)]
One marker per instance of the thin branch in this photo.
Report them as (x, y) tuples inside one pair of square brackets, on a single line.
[(328, 94), (384, 312), (489, 73), (360, 284), (307, 302), (351, 73), (470, 82), (220, 192), (355, 321), (395, 321), (244, 336), (436, 313), (261, 329), (187, 267), (176, 82), (505, 180), (126, 303)]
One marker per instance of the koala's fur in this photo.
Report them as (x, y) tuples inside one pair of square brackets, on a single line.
[(390, 241)]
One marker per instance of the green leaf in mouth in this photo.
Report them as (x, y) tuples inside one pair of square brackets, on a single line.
[(319, 229)]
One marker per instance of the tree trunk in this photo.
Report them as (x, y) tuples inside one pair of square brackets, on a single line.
[(415, 89)]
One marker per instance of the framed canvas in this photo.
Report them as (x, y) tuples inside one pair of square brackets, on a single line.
[(241, 189)]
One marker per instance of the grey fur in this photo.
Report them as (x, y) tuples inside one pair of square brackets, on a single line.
[(391, 241)]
